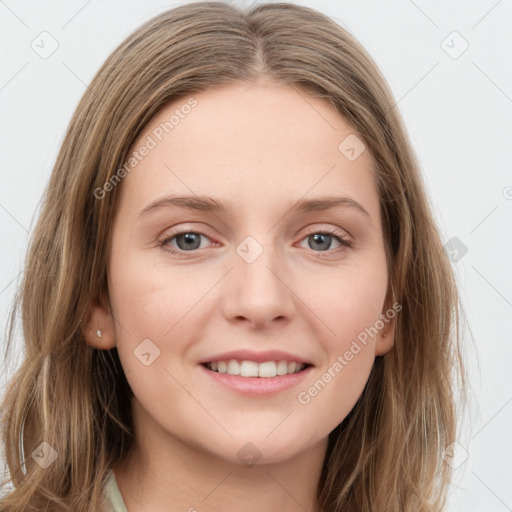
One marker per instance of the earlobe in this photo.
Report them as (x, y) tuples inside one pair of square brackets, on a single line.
[(98, 327), (386, 337), (385, 340)]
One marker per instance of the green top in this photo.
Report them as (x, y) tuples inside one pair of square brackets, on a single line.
[(114, 500)]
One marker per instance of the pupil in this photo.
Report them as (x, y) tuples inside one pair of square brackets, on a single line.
[(188, 237), (318, 238)]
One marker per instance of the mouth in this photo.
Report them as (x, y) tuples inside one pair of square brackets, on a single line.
[(264, 370)]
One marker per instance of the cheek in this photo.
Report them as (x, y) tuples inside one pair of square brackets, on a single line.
[(335, 389), (158, 311), (347, 301), (149, 300), (351, 312), (153, 308), (350, 307)]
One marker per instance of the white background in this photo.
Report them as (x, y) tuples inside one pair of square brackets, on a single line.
[(458, 112)]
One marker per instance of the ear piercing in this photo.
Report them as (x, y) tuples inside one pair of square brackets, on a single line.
[(384, 335)]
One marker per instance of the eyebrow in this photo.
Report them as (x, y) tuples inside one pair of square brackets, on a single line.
[(205, 203)]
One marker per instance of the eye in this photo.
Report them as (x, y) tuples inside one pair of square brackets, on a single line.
[(186, 241), (321, 240)]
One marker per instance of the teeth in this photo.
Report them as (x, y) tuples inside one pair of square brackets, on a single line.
[(267, 369), (253, 369), (233, 367), (249, 369), (282, 368)]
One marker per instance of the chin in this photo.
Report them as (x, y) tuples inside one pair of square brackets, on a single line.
[(259, 450)]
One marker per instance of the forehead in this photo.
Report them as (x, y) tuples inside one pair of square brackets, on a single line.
[(254, 144)]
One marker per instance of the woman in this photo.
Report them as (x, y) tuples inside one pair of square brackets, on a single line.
[(301, 355)]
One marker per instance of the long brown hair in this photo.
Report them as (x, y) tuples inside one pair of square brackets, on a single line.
[(387, 454)]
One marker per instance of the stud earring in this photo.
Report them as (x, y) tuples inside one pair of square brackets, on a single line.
[(98, 333), (384, 335)]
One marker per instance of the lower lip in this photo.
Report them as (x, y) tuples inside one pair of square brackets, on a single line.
[(258, 386)]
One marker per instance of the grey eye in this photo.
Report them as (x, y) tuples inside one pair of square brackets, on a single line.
[(190, 241)]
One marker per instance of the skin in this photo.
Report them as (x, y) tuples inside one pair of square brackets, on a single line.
[(258, 146)]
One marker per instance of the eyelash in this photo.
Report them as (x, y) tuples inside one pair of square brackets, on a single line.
[(344, 241)]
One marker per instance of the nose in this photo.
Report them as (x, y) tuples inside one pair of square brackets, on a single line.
[(258, 292)]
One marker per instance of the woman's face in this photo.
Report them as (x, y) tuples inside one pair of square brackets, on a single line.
[(248, 270)]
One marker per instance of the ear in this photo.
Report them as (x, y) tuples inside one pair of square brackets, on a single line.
[(98, 326), (386, 336)]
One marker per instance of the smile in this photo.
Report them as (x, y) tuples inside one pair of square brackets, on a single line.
[(264, 369), (254, 379)]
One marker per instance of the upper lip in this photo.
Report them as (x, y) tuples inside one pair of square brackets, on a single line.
[(257, 357)]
